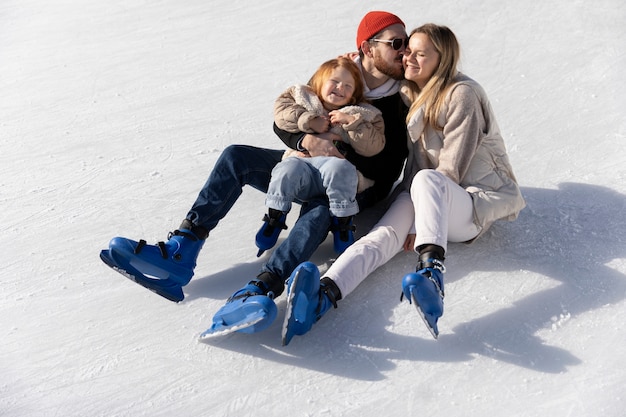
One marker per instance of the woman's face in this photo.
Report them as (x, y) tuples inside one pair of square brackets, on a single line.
[(421, 59), (338, 89)]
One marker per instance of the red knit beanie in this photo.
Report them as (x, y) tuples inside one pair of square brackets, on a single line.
[(374, 22)]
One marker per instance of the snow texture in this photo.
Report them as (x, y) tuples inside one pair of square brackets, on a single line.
[(112, 114)]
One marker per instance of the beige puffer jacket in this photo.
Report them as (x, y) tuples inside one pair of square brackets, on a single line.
[(470, 150)]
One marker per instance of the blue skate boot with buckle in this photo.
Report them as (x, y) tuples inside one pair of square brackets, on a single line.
[(343, 233), (424, 289), (249, 310), (308, 300), (163, 268), (274, 223)]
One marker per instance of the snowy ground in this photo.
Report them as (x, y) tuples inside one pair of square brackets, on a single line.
[(112, 114)]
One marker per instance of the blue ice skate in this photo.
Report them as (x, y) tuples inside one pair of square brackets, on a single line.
[(267, 236), (343, 233), (248, 310), (424, 289), (308, 299), (163, 268)]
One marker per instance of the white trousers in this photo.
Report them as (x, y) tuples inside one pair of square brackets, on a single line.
[(437, 209)]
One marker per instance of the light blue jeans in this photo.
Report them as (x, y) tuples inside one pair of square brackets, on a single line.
[(241, 165), (303, 179)]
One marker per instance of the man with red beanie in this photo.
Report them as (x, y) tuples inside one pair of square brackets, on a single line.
[(375, 22), (381, 40), (168, 266)]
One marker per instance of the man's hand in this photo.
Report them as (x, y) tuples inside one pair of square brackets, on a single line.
[(350, 55), (321, 144), (319, 124)]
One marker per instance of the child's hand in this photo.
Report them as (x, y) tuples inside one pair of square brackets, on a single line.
[(319, 124), (341, 117), (409, 243)]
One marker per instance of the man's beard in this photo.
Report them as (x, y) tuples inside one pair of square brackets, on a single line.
[(392, 71)]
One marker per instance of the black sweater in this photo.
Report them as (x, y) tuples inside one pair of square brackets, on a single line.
[(385, 167)]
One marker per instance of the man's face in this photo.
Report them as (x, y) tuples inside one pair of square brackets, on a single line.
[(386, 59)]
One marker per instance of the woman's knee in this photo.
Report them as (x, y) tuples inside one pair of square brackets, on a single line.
[(383, 242), (428, 179)]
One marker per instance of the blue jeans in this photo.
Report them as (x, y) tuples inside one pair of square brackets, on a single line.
[(301, 179), (241, 165)]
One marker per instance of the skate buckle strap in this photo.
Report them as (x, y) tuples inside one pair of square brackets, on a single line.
[(249, 293), (431, 263), (324, 290), (161, 245), (188, 235), (434, 281), (428, 275), (274, 223), (428, 266), (162, 249), (243, 295), (140, 246), (343, 227)]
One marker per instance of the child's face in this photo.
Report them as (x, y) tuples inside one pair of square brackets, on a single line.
[(338, 89)]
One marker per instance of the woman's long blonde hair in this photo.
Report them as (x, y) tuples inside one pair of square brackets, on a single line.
[(432, 96)]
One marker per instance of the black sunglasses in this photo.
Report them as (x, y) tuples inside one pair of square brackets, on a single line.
[(396, 43)]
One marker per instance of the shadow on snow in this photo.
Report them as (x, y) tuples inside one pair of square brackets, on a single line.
[(567, 235)]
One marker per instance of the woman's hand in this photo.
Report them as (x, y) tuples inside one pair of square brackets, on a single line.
[(409, 243)]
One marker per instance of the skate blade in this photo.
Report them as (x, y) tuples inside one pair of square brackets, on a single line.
[(290, 321), (434, 331), (286, 334), (138, 278), (221, 330)]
